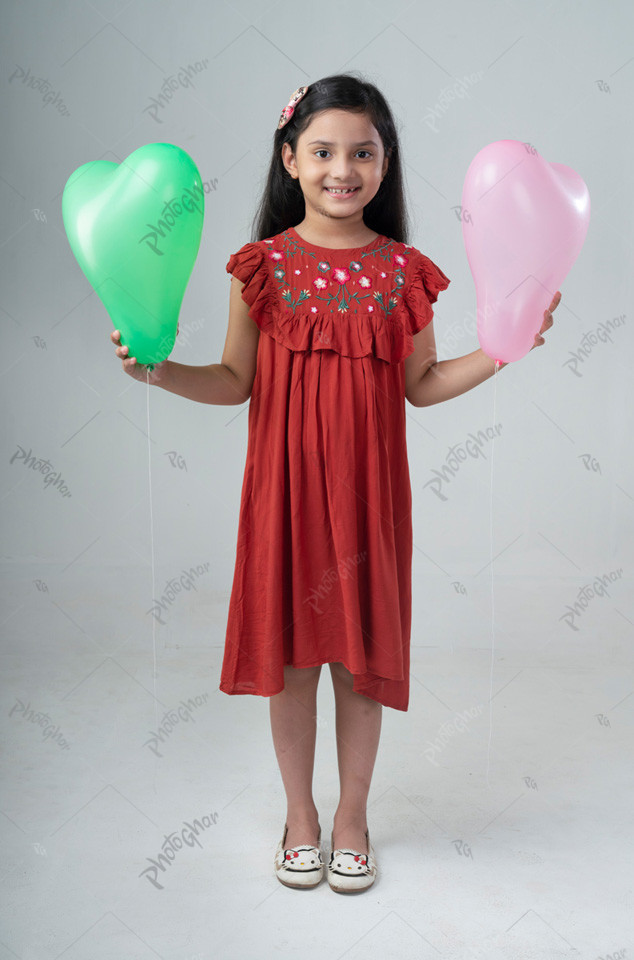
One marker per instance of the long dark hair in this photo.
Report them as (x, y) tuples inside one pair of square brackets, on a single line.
[(282, 203)]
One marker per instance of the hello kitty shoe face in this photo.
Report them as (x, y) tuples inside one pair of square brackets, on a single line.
[(300, 866), (301, 859), (350, 871), (349, 863)]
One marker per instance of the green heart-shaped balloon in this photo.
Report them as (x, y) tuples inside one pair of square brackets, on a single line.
[(135, 230)]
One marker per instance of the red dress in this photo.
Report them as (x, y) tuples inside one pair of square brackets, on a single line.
[(324, 551)]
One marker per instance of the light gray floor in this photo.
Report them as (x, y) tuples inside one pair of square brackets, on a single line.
[(502, 828)]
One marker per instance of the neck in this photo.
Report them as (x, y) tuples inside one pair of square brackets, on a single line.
[(338, 235)]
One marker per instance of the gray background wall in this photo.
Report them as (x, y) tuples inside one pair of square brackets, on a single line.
[(79, 640)]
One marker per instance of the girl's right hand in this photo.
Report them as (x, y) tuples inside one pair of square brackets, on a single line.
[(138, 371)]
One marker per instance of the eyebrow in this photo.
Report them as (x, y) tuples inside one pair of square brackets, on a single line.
[(328, 143)]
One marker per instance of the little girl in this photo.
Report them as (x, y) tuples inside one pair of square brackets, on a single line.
[(330, 331)]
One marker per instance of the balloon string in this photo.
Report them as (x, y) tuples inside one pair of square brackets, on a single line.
[(495, 390), (149, 460)]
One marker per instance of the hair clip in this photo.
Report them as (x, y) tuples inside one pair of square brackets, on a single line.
[(289, 110)]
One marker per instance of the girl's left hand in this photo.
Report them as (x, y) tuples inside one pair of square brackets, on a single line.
[(548, 320)]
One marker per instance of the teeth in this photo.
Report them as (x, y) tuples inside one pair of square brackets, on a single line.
[(331, 190)]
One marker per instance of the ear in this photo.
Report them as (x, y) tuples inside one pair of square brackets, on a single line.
[(287, 158)]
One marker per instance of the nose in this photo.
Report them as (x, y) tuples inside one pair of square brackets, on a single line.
[(340, 169)]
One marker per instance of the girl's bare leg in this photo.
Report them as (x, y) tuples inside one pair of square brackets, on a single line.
[(294, 725), (358, 731)]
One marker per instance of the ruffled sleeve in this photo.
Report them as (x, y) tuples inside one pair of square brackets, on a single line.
[(249, 265), (424, 283)]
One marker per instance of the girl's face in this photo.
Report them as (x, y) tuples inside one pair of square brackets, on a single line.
[(338, 148)]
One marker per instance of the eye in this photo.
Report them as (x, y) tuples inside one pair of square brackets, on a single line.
[(323, 150)]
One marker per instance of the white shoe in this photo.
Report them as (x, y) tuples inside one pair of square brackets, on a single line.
[(349, 870), (299, 866)]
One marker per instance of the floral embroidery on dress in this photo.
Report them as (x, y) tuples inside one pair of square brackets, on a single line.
[(342, 288)]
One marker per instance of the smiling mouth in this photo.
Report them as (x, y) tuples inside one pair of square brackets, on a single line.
[(337, 191)]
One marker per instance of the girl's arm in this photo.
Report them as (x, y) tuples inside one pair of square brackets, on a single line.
[(446, 379), (227, 382), (213, 383), (429, 381)]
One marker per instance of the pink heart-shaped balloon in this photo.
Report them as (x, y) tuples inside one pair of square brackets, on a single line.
[(524, 222)]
